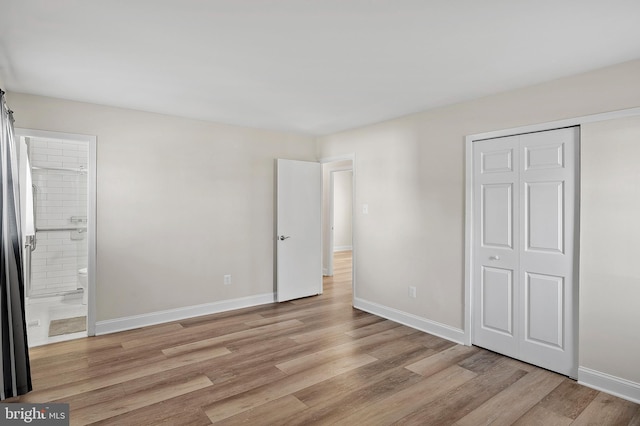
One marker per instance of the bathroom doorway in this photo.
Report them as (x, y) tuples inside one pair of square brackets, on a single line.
[(57, 190)]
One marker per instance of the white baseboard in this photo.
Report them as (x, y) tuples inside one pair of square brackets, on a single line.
[(342, 248), (153, 318), (613, 385), (432, 327)]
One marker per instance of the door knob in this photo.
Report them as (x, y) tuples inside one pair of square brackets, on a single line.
[(496, 257), (283, 237)]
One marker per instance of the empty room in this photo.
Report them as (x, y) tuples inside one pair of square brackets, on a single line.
[(324, 212)]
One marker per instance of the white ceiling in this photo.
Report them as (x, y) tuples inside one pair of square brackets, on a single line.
[(310, 66)]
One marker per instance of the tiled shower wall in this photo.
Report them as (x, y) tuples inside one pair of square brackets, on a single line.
[(61, 201)]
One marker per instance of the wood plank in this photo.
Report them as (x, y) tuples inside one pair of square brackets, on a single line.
[(441, 360), (509, 405), (305, 314), (41, 376), (464, 399), (271, 413), (607, 409), (188, 418), (569, 399), (350, 395), (299, 364), (184, 406), (366, 386), (113, 408), (289, 385), (221, 320), (75, 388), (541, 416), (393, 348), (372, 329), (334, 330), (402, 403), (71, 348), (330, 393), (220, 340), (178, 337), (431, 341), (56, 380), (481, 361)]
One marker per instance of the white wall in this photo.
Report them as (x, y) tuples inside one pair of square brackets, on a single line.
[(610, 248), (411, 174), (180, 203), (342, 199)]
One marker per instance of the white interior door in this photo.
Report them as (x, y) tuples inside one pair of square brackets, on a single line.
[(496, 250), (299, 229), (524, 230)]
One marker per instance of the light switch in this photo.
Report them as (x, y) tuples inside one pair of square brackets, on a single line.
[(412, 292), (365, 209)]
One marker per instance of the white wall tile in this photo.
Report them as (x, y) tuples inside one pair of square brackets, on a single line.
[(60, 195)]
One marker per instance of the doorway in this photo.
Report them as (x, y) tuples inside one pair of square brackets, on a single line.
[(524, 228), (338, 232), (57, 181)]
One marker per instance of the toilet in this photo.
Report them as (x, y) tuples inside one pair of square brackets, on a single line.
[(83, 281)]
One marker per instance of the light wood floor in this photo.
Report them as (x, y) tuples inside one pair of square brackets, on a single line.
[(311, 361)]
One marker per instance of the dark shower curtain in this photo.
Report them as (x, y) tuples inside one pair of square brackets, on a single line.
[(14, 360)]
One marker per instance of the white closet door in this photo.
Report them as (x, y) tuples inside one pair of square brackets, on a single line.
[(547, 202), (524, 259), (496, 266)]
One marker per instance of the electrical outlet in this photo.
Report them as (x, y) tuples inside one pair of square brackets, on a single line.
[(227, 279), (412, 292)]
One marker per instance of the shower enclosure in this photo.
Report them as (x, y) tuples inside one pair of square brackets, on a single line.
[(55, 182)]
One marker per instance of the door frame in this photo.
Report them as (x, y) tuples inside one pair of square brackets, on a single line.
[(331, 211), (329, 238), (468, 249), (90, 140)]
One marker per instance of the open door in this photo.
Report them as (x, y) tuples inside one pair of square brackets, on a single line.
[(299, 229)]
